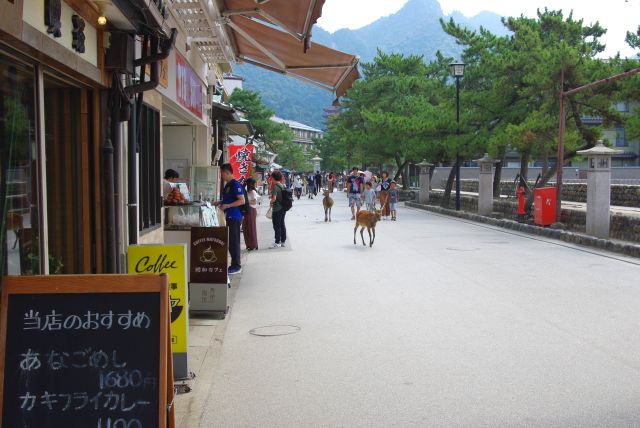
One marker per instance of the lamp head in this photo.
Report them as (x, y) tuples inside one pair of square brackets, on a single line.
[(457, 69)]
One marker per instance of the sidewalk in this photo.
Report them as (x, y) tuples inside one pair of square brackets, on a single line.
[(442, 322), (206, 337)]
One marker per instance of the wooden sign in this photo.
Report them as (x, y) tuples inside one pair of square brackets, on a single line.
[(209, 255), (87, 350)]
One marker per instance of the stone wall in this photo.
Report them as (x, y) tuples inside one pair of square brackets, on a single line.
[(622, 195), (623, 227)]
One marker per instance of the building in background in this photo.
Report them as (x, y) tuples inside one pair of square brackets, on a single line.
[(302, 134)]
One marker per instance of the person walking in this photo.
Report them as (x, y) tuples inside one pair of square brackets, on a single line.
[(332, 181), (312, 187), (355, 183), (318, 182), (249, 229), (298, 187), (385, 185), (277, 212), (370, 197), (232, 200), (394, 195)]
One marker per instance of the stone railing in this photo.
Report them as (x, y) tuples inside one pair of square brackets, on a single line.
[(623, 227), (623, 195)]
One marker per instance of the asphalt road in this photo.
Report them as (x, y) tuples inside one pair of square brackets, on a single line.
[(441, 323)]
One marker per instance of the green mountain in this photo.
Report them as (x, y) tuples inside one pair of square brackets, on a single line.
[(415, 29)]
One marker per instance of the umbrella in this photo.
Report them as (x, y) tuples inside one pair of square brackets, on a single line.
[(368, 175)]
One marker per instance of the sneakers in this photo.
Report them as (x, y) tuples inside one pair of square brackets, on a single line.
[(282, 244), (276, 245), (234, 270)]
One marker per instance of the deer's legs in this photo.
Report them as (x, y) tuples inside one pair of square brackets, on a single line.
[(370, 240), (355, 229), (362, 235)]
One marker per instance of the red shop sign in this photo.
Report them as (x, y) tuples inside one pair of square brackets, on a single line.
[(188, 86), (241, 158)]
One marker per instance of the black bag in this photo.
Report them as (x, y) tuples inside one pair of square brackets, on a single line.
[(287, 199), (244, 208)]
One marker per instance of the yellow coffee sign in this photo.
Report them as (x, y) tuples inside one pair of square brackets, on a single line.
[(172, 260)]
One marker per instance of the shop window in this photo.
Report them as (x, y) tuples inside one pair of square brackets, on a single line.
[(67, 143), (19, 221), (150, 188)]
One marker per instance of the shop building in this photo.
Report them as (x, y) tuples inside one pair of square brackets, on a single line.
[(99, 98)]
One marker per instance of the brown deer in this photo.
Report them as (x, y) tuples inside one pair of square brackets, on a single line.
[(367, 219), (327, 203)]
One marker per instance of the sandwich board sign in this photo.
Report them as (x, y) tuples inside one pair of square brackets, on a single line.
[(85, 350), (172, 260)]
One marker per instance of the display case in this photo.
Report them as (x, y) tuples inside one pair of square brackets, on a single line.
[(205, 182), (183, 217)]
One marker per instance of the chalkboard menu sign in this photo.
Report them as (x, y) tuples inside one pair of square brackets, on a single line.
[(209, 255), (84, 351)]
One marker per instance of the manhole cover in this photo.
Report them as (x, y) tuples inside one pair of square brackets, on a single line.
[(275, 330)]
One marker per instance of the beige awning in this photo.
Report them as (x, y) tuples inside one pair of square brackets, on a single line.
[(296, 17), (274, 49)]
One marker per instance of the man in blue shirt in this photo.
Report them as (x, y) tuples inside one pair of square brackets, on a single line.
[(232, 200), (355, 184)]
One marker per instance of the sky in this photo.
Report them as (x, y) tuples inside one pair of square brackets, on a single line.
[(617, 16)]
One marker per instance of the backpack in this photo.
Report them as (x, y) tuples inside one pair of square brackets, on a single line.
[(287, 199), (244, 208)]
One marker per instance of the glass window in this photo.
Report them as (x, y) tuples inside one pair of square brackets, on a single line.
[(621, 139), (67, 139), (150, 186), (19, 233)]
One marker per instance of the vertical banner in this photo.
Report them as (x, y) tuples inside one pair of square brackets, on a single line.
[(172, 260), (241, 158), (188, 86)]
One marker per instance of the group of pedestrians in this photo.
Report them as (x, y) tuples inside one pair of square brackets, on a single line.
[(310, 184), (380, 190), (240, 206)]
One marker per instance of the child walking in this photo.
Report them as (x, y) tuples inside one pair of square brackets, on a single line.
[(393, 200), (370, 197)]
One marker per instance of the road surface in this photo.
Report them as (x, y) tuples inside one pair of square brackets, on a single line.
[(441, 323)]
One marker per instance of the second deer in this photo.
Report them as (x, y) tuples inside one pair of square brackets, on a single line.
[(327, 203)]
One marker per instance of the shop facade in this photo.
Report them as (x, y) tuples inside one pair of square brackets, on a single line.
[(49, 125)]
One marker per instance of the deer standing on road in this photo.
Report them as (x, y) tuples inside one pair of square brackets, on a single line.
[(327, 203), (367, 219)]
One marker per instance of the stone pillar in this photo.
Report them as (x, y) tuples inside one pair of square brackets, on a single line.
[(598, 189), (485, 190), (425, 181), (316, 163)]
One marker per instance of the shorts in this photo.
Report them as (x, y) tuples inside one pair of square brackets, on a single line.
[(393, 205), (354, 199)]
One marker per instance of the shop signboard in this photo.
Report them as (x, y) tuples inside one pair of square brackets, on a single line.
[(241, 158), (188, 86), (172, 260), (209, 255), (85, 350)]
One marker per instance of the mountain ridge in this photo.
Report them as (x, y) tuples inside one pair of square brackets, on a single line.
[(421, 34)]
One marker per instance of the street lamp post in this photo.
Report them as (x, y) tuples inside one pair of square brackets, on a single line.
[(457, 70)]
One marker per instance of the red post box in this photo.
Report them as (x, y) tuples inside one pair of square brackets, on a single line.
[(544, 201)]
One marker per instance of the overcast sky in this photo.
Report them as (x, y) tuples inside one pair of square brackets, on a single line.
[(618, 16)]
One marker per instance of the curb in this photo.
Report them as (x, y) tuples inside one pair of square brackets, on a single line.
[(619, 247)]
